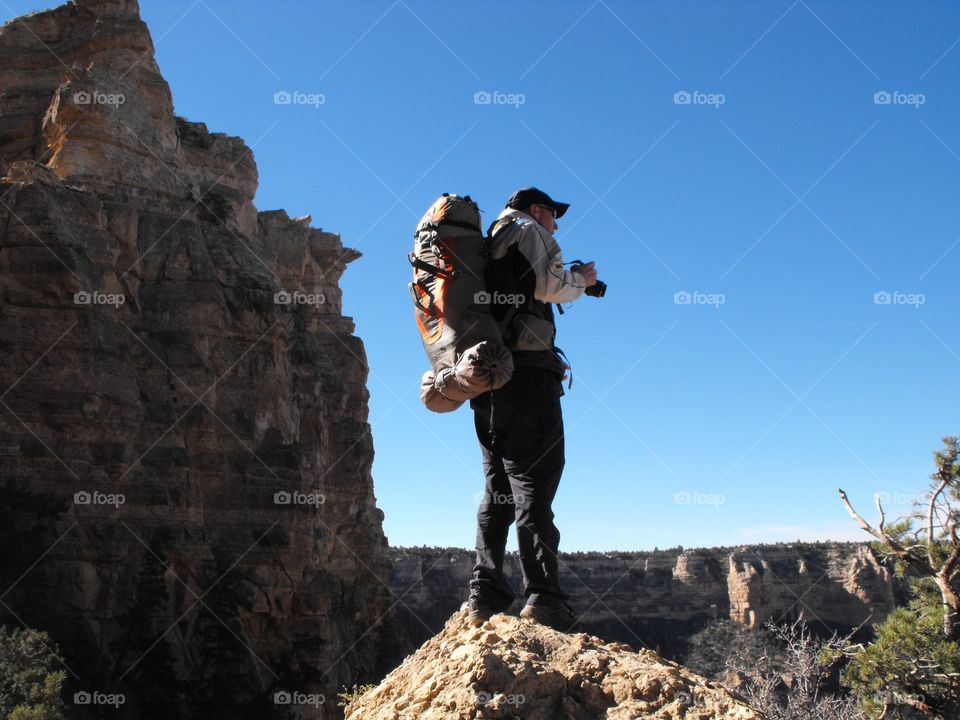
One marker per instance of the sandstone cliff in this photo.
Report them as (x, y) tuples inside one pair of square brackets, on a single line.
[(187, 504), (658, 599), (511, 668)]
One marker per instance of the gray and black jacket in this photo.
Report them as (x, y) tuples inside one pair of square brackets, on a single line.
[(525, 276)]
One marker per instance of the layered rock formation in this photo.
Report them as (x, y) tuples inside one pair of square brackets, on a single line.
[(511, 668), (657, 599), (187, 502)]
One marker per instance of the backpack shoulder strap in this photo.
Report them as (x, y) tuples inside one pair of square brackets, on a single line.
[(499, 226)]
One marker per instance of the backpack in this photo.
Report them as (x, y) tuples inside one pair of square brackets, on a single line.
[(452, 306)]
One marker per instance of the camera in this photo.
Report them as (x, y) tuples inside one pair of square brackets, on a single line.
[(598, 289)]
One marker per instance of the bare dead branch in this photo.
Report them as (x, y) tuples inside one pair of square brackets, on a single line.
[(897, 549), (867, 527), (880, 511)]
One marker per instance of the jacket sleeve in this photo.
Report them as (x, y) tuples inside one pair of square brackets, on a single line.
[(554, 284)]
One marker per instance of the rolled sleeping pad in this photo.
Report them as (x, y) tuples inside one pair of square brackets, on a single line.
[(483, 367)]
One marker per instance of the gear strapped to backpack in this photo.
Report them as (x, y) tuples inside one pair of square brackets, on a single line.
[(460, 336)]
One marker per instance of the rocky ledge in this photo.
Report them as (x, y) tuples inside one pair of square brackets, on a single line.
[(512, 668)]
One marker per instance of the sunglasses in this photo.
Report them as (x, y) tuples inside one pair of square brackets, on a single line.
[(552, 211)]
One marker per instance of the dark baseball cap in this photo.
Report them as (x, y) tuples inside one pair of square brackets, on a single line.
[(525, 197)]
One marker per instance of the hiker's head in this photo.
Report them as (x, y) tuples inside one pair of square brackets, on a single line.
[(545, 215), (540, 206)]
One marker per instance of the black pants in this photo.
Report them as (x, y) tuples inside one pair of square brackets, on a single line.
[(520, 429)]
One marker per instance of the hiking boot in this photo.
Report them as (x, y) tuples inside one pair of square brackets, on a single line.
[(559, 617), (478, 612)]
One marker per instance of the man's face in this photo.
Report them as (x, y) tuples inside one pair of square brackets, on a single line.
[(545, 215)]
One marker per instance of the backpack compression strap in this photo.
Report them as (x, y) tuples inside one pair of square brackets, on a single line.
[(454, 223), (428, 268)]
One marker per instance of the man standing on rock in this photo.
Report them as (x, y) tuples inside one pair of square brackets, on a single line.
[(520, 425)]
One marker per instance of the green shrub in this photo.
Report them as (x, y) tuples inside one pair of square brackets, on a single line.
[(30, 683)]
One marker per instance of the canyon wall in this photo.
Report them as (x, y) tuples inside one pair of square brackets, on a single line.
[(187, 505), (658, 599)]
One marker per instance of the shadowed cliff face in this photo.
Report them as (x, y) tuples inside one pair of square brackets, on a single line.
[(187, 504), (658, 599)]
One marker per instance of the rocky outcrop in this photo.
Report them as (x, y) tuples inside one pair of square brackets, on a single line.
[(658, 599), (187, 506), (511, 668), (842, 586)]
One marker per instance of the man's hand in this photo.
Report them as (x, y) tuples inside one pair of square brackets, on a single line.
[(587, 272)]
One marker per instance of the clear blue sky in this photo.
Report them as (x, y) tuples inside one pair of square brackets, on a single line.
[(796, 199)]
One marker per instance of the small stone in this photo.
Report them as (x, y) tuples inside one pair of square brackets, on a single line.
[(490, 638)]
